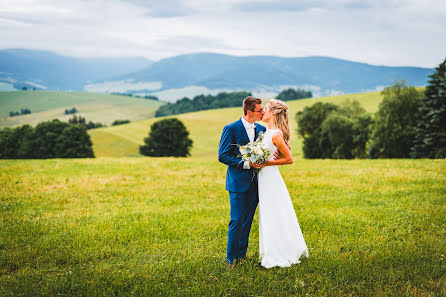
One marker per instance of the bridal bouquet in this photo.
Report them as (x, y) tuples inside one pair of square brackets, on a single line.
[(254, 151)]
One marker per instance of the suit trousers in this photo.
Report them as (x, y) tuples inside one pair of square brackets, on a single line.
[(243, 208)]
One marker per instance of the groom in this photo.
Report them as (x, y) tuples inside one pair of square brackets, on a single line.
[(240, 179)]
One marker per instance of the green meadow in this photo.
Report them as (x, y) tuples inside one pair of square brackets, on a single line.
[(157, 227), (123, 224), (205, 127), (48, 105)]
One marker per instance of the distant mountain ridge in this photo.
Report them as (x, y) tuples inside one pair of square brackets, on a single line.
[(56, 72), (207, 72), (218, 71)]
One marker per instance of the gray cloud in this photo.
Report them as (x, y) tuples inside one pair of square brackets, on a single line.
[(165, 9), (385, 32), (300, 6)]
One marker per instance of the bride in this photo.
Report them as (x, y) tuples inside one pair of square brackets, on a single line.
[(281, 242)]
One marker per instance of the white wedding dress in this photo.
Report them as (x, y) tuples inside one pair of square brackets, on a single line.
[(281, 242)]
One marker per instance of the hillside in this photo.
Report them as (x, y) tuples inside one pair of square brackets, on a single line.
[(205, 128), (48, 105), (188, 75), (48, 70), (322, 75)]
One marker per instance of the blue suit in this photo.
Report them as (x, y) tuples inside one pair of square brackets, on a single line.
[(242, 187)]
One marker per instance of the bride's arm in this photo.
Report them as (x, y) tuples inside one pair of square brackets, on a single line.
[(283, 149)]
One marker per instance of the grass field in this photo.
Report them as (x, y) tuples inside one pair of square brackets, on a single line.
[(128, 225), (48, 105), (205, 128), (157, 226)]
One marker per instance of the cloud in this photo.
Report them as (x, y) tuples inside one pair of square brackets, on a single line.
[(164, 9), (404, 32)]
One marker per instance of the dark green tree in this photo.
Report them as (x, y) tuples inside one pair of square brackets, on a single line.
[(120, 122), (430, 132), (362, 130), (167, 137), (77, 120), (71, 111), (336, 139), (395, 121), (151, 97), (45, 139), (11, 141), (25, 111), (293, 94), (332, 131), (309, 122), (92, 125), (202, 102), (74, 142)]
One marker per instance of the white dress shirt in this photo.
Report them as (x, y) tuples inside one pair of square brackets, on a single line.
[(251, 133)]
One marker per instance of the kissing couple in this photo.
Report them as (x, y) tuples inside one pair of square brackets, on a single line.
[(281, 242)]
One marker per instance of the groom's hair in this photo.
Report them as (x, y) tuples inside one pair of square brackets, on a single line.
[(249, 103)]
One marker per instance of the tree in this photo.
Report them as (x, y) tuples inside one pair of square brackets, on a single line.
[(11, 141), (71, 111), (202, 102), (120, 122), (395, 121), (309, 122), (292, 94), (54, 139), (45, 139), (151, 97), (362, 129), (25, 111), (430, 132), (77, 120), (167, 137), (336, 139), (332, 131), (74, 142)]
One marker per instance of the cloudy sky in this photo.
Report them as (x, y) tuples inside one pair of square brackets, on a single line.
[(380, 32)]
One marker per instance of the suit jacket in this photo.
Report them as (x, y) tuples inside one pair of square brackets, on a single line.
[(237, 178)]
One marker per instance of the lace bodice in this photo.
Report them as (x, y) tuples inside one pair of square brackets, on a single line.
[(268, 140)]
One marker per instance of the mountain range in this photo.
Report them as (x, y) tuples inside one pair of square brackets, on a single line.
[(48, 70), (203, 72)]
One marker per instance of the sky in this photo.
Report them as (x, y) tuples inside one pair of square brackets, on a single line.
[(378, 32)]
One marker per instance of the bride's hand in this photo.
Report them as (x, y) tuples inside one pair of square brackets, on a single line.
[(257, 166), (277, 155)]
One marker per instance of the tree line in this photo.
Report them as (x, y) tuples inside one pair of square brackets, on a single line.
[(408, 124), (51, 139), (22, 111), (221, 100)]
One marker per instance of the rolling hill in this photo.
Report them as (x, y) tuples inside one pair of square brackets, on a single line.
[(322, 75), (205, 128), (48, 105), (48, 70), (201, 73)]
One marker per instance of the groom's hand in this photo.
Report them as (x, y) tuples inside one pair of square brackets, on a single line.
[(255, 165)]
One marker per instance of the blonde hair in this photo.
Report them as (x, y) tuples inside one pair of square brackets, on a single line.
[(279, 109)]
